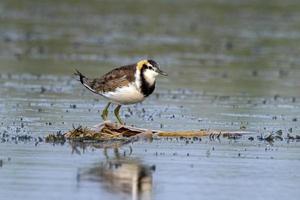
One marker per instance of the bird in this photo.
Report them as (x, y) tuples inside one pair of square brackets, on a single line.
[(124, 85)]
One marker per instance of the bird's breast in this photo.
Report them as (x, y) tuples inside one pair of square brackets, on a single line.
[(125, 95)]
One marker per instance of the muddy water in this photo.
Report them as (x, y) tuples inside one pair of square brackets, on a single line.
[(232, 65)]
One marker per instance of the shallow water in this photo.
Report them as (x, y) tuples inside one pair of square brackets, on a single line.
[(232, 65)]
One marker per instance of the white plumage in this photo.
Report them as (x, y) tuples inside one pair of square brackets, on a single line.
[(131, 94), (150, 76), (125, 95)]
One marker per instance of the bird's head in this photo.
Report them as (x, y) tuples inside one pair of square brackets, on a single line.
[(150, 69)]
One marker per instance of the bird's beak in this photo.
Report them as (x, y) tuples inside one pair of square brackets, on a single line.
[(162, 72)]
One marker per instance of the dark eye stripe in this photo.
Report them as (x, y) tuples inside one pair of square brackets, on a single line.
[(148, 67)]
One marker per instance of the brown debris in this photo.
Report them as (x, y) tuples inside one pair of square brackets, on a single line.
[(109, 131), (106, 131)]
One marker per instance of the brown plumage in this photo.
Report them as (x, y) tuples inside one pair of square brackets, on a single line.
[(118, 77)]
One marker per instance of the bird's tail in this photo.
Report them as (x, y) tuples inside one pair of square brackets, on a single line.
[(84, 80), (81, 77)]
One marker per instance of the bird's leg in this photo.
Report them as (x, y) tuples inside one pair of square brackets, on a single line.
[(117, 114), (105, 112)]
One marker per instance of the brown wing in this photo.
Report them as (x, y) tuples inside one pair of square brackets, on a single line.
[(118, 77)]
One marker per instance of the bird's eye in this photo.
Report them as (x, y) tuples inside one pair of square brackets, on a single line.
[(150, 67)]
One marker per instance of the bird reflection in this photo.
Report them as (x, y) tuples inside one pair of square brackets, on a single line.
[(122, 174)]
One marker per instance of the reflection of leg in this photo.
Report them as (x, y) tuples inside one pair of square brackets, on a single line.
[(105, 112), (117, 114), (130, 150), (105, 153), (116, 152)]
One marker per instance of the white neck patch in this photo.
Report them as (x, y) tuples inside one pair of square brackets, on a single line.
[(150, 76)]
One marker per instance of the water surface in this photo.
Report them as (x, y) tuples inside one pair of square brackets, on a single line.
[(232, 65)]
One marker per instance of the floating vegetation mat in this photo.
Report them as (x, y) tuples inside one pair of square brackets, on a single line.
[(109, 131)]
